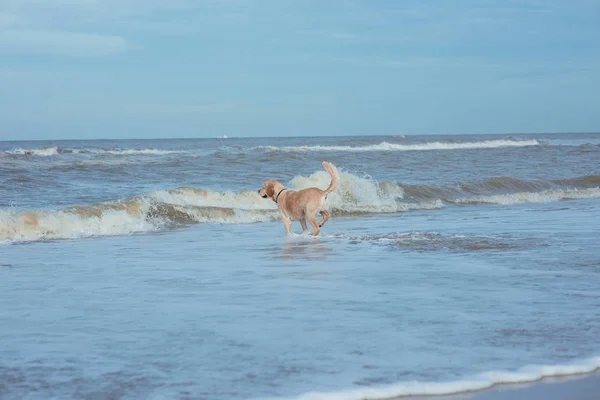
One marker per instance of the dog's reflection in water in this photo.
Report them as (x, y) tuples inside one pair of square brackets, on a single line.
[(304, 249)]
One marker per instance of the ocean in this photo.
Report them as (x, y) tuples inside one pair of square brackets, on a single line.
[(152, 269)]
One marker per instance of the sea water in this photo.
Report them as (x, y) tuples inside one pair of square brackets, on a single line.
[(153, 269)]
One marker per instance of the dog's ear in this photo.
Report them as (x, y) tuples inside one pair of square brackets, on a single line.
[(269, 189)]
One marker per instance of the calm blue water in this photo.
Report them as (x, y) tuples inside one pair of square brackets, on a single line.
[(152, 269)]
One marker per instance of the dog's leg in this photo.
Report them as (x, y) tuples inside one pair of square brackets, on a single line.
[(325, 216), (313, 222), (303, 223), (288, 223)]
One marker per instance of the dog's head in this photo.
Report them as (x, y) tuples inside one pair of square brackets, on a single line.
[(270, 189)]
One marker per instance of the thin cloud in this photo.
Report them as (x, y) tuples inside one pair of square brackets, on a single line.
[(7, 19), (60, 43), (542, 72)]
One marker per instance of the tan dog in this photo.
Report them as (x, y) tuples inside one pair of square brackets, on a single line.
[(302, 204)]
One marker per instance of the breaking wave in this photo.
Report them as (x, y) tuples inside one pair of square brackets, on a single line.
[(506, 190), (169, 208), (528, 374), (145, 213), (41, 152), (55, 150), (129, 152), (382, 146), (385, 146), (529, 197), (361, 194), (354, 195)]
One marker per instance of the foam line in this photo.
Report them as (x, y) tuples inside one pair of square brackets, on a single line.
[(385, 146), (528, 374)]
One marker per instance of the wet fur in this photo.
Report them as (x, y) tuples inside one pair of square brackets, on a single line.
[(301, 205)]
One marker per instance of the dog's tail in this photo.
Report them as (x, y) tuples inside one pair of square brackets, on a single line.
[(334, 176)]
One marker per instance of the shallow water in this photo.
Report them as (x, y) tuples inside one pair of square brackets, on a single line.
[(439, 269)]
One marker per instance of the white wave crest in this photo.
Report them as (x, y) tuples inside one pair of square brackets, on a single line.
[(479, 382), (531, 197), (41, 152), (385, 146), (51, 151), (143, 214), (129, 152), (244, 200), (63, 224), (355, 194)]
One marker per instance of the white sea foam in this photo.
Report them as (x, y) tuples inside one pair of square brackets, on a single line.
[(385, 146), (356, 194), (129, 152), (532, 197), (479, 382), (54, 150), (144, 214), (432, 241), (62, 224), (115, 219), (41, 152), (244, 200)]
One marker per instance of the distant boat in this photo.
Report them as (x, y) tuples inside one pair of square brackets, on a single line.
[(222, 137)]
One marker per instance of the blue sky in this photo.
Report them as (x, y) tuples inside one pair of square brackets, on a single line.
[(181, 68)]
